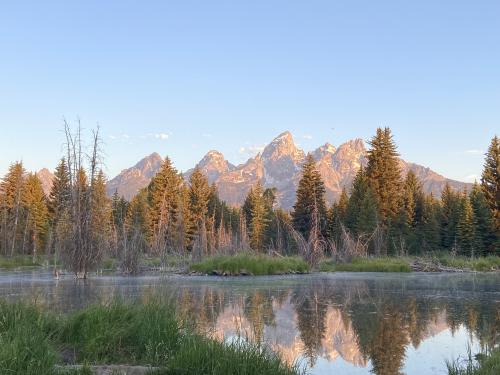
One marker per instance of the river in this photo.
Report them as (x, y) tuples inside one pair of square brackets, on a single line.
[(343, 323)]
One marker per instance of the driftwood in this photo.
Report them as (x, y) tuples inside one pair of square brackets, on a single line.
[(421, 265)]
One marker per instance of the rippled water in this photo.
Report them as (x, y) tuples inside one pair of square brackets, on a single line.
[(333, 324)]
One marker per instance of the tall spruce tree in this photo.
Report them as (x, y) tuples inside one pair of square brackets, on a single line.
[(466, 229), (384, 174), (258, 222), (362, 211), (11, 188), (490, 180), (164, 197), (337, 217), (410, 213), (199, 196), (451, 203), (310, 199), (484, 227), (428, 230), (37, 216), (60, 193)]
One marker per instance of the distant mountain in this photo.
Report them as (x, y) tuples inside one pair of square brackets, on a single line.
[(278, 165), (46, 177), (131, 180)]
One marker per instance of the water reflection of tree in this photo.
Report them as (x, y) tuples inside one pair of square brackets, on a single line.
[(258, 309), (311, 306)]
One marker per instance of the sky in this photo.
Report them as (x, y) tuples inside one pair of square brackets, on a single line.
[(184, 77)]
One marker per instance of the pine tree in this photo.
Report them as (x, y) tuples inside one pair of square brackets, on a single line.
[(310, 197), (199, 196), (483, 225), (37, 216), (11, 189), (337, 217), (102, 213), (164, 197), (384, 174), (362, 211), (258, 221), (466, 229), (410, 213), (490, 180), (428, 230), (60, 193), (451, 211)]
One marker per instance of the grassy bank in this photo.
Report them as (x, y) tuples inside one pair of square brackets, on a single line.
[(368, 265), (20, 261), (437, 263), (33, 341), (488, 364), (482, 264), (250, 264)]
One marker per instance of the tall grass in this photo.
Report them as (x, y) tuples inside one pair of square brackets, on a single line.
[(384, 264), (26, 340), (482, 264), (252, 264), (118, 333), (486, 364)]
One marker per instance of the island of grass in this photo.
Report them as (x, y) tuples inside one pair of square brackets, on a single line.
[(250, 264), (37, 342)]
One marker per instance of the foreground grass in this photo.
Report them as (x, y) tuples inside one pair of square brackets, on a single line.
[(32, 339), (251, 264), (488, 364), (384, 264)]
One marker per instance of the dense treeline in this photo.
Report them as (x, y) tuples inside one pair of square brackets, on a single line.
[(384, 213)]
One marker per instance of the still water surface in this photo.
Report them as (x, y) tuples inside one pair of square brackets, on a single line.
[(344, 323)]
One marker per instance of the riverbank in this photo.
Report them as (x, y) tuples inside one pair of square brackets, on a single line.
[(37, 342), (438, 263), (254, 264)]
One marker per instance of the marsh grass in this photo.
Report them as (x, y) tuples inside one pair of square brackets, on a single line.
[(19, 261), (252, 264), (481, 264), (150, 334), (483, 364), (383, 264)]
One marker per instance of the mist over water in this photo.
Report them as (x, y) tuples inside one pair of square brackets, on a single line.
[(336, 323)]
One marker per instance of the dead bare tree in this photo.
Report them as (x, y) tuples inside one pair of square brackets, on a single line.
[(83, 239)]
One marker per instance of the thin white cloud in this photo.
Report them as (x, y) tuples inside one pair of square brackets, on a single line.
[(307, 136), (162, 136), (474, 152), (207, 135), (251, 150)]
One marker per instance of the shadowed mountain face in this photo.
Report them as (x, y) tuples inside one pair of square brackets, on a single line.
[(278, 165), (130, 181)]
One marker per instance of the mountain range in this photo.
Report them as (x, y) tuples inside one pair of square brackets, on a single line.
[(278, 165)]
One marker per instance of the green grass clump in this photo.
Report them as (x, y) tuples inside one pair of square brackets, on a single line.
[(481, 264), (19, 261), (254, 264), (199, 355), (26, 336), (384, 264), (118, 333), (486, 364), (121, 333)]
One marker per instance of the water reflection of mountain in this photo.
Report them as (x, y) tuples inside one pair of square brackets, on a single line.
[(359, 321), (367, 321)]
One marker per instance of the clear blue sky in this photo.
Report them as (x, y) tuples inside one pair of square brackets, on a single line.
[(184, 77)]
